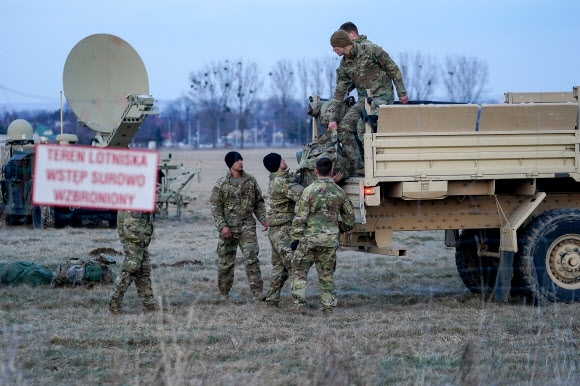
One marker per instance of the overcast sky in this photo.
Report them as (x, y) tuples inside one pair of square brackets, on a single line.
[(529, 45)]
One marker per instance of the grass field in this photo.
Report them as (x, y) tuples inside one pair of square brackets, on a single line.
[(399, 320)]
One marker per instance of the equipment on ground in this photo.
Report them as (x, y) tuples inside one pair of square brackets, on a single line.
[(171, 188)]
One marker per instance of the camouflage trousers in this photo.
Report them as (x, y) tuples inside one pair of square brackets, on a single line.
[(281, 260), (352, 122), (347, 136), (226, 250), (325, 260), (137, 265)]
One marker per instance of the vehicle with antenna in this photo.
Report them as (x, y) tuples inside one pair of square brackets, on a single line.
[(106, 86), (501, 180)]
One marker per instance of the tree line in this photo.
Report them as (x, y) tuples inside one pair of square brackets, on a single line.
[(229, 99)]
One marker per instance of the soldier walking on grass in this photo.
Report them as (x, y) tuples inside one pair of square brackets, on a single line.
[(235, 199), (135, 230), (315, 231)]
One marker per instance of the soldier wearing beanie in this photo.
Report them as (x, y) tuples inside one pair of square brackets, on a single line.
[(340, 38), (232, 157), (367, 67), (315, 231), (272, 162), (236, 203), (283, 193)]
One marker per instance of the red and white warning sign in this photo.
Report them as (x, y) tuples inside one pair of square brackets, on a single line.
[(94, 177)]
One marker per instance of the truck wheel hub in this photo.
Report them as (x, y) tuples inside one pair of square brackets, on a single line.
[(564, 259)]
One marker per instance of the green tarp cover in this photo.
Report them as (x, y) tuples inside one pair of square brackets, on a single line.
[(24, 272)]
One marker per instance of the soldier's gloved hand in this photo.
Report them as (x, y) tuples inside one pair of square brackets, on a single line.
[(341, 227), (294, 245)]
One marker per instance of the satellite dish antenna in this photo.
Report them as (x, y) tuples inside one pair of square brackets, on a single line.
[(106, 85)]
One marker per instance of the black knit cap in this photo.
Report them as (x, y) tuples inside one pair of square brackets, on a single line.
[(272, 162), (232, 157)]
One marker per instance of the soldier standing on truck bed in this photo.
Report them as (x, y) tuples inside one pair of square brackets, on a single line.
[(353, 35), (366, 66), (235, 199), (352, 31)]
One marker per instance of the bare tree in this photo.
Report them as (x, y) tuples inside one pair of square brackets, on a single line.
[(282, 77), (329, 65), (465, 78), (247, 84), (316, 76), (303, 72), (178, 115), (211, 90), (420, 74)]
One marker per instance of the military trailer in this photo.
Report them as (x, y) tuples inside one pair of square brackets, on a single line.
[(501, 180)]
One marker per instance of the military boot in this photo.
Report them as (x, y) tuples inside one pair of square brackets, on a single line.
[(327, 312), (258, 296)]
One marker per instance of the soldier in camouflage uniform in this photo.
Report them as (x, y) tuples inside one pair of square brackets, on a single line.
[(355, 120), (315, 231), (366, 66), (351, 29), (135, 230), (283, 194), (235, 199)]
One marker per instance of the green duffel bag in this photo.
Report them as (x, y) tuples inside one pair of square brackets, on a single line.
[(25, 272)]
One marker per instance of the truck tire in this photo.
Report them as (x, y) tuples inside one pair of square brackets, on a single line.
[(549, 257), (477, 272), (43, 217)]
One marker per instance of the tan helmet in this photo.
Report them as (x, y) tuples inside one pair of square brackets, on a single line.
[(19, 130)]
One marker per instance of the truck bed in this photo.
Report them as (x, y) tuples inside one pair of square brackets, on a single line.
[(419, 144)]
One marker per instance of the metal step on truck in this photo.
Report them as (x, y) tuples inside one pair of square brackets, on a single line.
[(501, 180)]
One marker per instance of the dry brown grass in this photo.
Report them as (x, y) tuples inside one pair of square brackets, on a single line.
[(400, 320)]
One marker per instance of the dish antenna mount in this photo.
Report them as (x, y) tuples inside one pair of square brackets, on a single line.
[(106, 86)]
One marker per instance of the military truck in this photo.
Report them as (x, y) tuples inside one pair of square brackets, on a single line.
[(16, 186), (501, 180)]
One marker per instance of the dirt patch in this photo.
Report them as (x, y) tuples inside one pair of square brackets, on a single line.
[(108, 251), (178, 264)]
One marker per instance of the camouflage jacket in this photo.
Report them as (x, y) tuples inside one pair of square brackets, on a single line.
[(368, 67), (234, 205), (362, 39), (317, 213), (283, 194)]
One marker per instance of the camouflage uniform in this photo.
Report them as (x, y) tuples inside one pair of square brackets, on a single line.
[(283, 195), (367, 66), (362, 39), (121, 215), (234, 202), (316, 227), (135, 230)]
